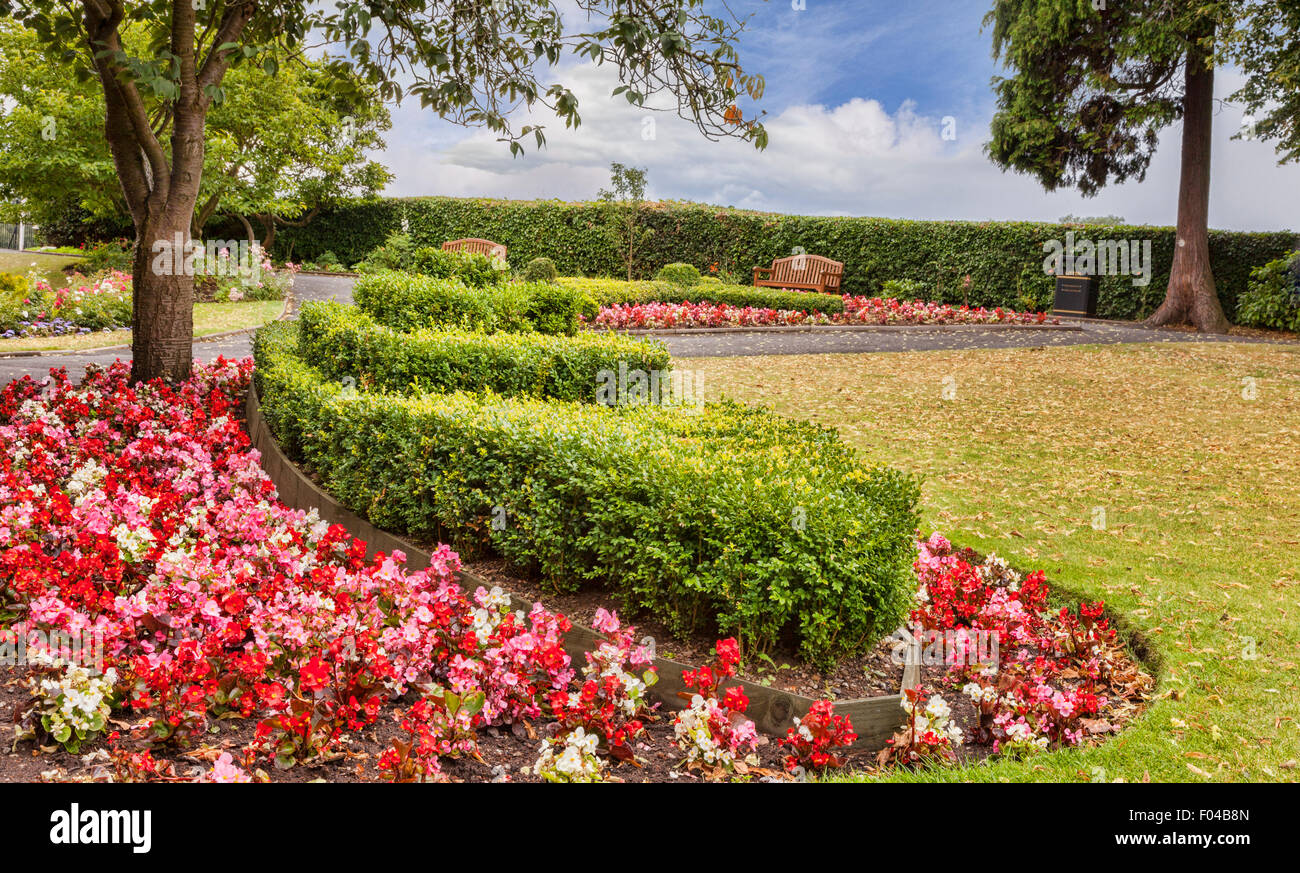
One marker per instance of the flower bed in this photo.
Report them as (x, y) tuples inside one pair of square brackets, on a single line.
[(140, 517), (1058, 677), (83, 306), (857, 311)]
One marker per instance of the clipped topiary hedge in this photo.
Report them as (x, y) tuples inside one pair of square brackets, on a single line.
[(1003, 259), (408, 301), (607, 292), (344, 341), (729, 520)]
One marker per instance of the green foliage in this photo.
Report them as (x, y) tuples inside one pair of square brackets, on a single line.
[(730, 520), (906, 289), (939, 253), (277, 145), (347, 342), (12, 287), (622, 203), (407, 301), (112, 255), (471, 268), (685, 275), (607, 292), (396, 252), (1273, 299), (541, 270), (1089, 89)]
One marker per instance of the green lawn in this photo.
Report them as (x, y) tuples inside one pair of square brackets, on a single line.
[(21, 263), (1192, 452), (209, 318)]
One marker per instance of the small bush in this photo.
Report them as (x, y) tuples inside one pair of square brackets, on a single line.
[(396, 253), (684, 275), (406, 301), (13, 288), (105, 256), (1273, 296), (347, 342), (473, 269), (907, 289), (541, 270)]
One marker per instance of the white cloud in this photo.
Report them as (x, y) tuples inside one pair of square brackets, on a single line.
[(854, 158)]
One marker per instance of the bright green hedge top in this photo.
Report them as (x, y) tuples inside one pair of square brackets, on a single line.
[(607, 292), (344, 341), (407, 301)]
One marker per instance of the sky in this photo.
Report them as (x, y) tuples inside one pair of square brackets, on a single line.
[(872, 108)]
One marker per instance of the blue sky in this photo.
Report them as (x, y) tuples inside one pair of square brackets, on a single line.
[(857, 96)]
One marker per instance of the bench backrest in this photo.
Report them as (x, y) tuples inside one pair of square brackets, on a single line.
[(476, 246), (807, 270)]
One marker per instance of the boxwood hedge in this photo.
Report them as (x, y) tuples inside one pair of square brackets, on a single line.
[(344, 341), (606, 292), (1003, 258), (407, 301), (731, 520)]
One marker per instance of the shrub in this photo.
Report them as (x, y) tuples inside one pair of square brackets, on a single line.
[(347, 342), (939, 253), (397, 252), (609, 292), (406, 301), (732, 518), (684, 275), (473, 269), (906, 289), (1273, 299), (106, 256), (541, 270)]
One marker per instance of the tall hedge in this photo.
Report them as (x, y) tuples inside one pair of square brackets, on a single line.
[(1003, 259)]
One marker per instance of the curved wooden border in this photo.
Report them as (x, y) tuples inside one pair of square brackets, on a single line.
[(875, 719)]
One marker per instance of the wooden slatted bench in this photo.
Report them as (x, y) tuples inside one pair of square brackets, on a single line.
[(804, 272), (476, 246)]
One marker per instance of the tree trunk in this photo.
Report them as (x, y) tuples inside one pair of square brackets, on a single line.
[(163, 299), (1191, 295)]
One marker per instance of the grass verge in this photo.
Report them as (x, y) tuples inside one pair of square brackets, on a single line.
[(209, 318), (1160, 477)]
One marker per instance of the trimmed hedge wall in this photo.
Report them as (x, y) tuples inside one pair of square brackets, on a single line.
[(729, 520), (408, 301), (1003, 259), (344, 341), (607, 292)]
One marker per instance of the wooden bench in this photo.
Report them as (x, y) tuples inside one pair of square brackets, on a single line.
[(804, 272), (477, 247)]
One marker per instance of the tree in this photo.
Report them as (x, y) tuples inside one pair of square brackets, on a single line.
[(1093, 85), (472, 62), (279, 148), (623, 203)]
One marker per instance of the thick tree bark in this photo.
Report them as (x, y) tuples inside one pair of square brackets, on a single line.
[(161, 191), (1191, 296), (163, 300)]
